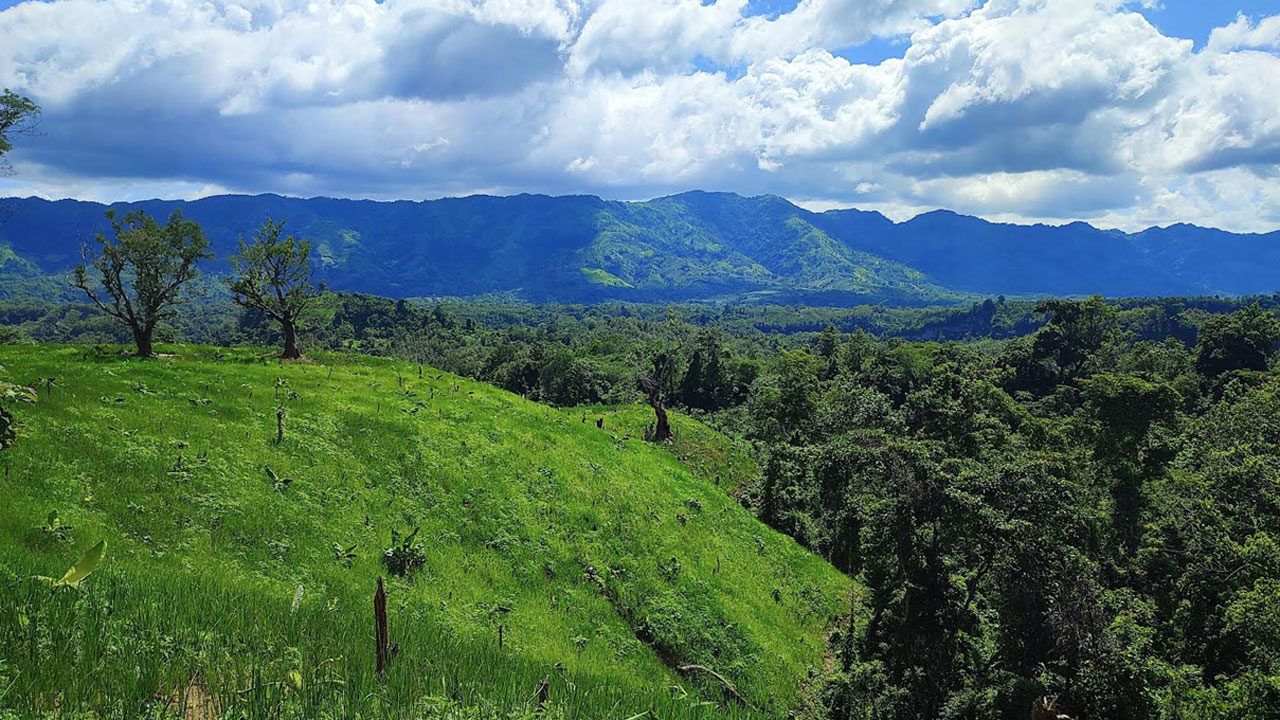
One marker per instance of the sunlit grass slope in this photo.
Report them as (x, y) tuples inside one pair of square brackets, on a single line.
[(225, 590), (702, 449)]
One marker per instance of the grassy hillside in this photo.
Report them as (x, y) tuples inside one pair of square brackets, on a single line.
[(702, 449), (227, 587)]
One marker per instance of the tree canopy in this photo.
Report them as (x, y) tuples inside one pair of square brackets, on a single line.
[(142, 272), (18, 114), (272, 274)]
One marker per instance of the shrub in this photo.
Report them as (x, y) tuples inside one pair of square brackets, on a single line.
[(404, 556)]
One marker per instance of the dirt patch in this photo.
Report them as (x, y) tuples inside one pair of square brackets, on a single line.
[(194, 702)]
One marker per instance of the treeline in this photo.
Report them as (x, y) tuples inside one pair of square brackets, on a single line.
[(1079, 522), (575, 354)]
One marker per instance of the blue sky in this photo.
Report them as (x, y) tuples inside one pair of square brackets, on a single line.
[(1119, 112), (1194, 20)]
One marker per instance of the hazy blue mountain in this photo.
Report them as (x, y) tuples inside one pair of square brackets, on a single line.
[(691, 246)]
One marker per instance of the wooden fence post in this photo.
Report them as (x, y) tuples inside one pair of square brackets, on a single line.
[(381, 636)]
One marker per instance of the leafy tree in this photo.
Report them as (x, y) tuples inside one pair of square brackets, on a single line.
[(1076, 331), (18, 114), (782, 403), (1127, 410), (273, 274), (1242, 340), (566, 379), (918, 531), (142, 271), (707, 384), (828, 345)]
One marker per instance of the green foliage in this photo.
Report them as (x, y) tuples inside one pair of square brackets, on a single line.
[(404, 556), (1076, 332), (10, 393), (1084, 517), (272, 274), (142, 272), (18, 114), (1243, 340), (1066, 518)]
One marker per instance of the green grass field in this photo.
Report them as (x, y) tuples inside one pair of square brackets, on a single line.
[(226, 590)]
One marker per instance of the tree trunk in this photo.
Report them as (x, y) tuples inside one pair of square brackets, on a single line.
[(142, 338), (291, 351), (661, 431)]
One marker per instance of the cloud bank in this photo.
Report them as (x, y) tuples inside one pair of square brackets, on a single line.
[(1011, 109)]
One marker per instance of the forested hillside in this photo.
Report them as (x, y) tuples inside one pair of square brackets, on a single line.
[(693, 246)]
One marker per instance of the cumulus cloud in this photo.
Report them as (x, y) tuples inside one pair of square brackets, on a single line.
[(1033, 109)]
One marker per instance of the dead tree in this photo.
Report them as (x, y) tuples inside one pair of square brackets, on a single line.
[(543, 693), (656, 386), (654, 392)]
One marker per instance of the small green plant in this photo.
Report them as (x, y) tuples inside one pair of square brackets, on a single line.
[(8, 425), (404, 556), (53, 524), (278, 482), (669, 569), (345, 557), (81, 569)]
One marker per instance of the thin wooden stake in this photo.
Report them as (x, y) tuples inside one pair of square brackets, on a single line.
[(382, 638)]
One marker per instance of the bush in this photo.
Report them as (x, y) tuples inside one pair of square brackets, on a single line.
[(404, 556)]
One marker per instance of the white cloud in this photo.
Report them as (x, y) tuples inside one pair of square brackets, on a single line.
[(1052, 109), (1245, 33)]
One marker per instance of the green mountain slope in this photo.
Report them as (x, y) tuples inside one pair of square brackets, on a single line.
[(692, 246), (707, 244), (603, 560)]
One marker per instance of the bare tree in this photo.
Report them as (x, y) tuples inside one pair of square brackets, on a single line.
[(657, 385)]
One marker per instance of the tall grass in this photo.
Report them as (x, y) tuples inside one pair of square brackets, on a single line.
[(599, 555)]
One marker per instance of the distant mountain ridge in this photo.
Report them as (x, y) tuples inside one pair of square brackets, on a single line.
[(693, 246)]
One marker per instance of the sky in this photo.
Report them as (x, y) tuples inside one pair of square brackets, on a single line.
[(1122, 113)]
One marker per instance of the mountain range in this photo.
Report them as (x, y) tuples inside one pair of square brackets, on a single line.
[(692, 246)]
